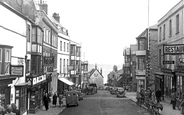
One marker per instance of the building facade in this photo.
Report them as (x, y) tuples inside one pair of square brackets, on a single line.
[(84, 74), (133, 49), (14, 58), (75, 63), (127, 67), (170, 42)]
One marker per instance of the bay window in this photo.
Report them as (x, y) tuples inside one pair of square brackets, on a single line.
[(141, 63)]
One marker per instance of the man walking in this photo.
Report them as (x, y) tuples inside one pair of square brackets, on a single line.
[(46, 101)]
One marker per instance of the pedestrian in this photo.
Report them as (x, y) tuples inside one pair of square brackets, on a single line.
[(54, 99), (60, 100), (158, 95), (173, 99), (46, 100)]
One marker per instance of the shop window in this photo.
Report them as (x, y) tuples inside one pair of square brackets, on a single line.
[(20, 98)]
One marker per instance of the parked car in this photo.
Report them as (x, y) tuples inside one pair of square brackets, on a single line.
[(80, 95), (94, 87), (120, 92), (89, 90), (113, 91)]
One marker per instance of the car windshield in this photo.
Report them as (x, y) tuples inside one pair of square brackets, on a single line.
[(120, 89)]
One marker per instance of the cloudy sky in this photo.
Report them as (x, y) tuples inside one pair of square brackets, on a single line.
[(106, 27)]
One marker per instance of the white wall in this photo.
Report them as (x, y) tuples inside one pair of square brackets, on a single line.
[(13, 33)]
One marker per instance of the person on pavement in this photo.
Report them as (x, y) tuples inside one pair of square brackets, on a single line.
[(46, 101), (54, 99), (158, 95), (173, 99)]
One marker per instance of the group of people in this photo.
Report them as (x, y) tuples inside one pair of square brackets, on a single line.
[(47, 99), (157, 96), (11, 109)]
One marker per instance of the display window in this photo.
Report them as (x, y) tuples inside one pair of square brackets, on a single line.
[(21, 98)]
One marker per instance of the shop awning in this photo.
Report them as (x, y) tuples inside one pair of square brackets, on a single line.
[(24, 84), (66, 81)]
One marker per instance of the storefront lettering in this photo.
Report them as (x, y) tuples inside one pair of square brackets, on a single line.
[(173, 49)]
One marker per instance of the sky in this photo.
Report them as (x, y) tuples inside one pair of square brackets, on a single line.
[(106, 27)]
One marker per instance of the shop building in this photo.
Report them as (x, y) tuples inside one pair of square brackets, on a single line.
[(133, 49), (127, 66), (50, 44), (170, 41), (62, 56), (84, 74), (13, 58), (75, 63), (146, 56)]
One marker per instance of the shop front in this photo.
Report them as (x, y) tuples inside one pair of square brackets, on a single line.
[(169, 81), (159, 81), (64, 84), (179, 80), (39, 85), (5, 92), (140, 82)]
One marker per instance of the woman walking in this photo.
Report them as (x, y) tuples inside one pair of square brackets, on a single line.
[(54, 98)]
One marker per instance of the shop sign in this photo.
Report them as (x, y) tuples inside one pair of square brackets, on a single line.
[(40, 79), (168, 62), (48, 61), (34, 81), (173, 49), (16, 70), (140, 72)]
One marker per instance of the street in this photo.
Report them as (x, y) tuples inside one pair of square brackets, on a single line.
[(103, 103)]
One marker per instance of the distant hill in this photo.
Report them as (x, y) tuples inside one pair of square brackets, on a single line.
[(106, 69)]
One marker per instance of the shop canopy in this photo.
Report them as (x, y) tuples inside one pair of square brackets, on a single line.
[(66, 81)]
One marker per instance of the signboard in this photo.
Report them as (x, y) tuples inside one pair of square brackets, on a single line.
[(48, 61), (168, 62), (173, 49), (16, 70)]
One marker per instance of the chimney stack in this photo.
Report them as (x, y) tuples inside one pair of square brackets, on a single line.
[(43, 6), (101, 71), (56, 17)]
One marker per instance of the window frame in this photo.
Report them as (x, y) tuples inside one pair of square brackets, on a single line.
[(9, 58), (164, 32), (61, 46), (177, 23), (170, 28)]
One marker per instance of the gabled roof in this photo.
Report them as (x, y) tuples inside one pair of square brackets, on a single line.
[(92, 71)]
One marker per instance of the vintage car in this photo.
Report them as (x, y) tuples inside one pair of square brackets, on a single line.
[(72, 98), (120, 92), (80, 95), (113, 91)]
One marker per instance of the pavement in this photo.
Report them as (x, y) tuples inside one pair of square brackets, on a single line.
[(167, 107), (52, 110)]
